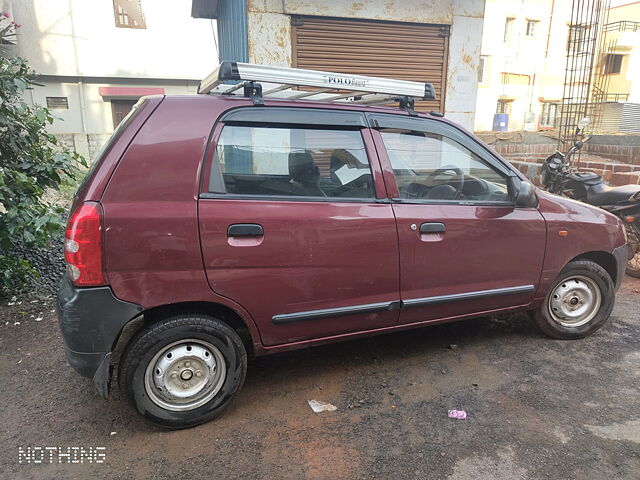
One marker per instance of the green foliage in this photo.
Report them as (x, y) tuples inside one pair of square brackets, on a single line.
[(31, 163)]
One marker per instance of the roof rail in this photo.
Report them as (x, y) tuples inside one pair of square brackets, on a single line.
[(329, 86)]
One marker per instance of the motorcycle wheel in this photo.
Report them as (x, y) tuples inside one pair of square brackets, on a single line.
[(633, 240)]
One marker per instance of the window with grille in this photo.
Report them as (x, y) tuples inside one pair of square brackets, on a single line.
[(482, 69), (532, 27), (549, 114), (504, 106), (578, 40), (508, 29), (128, 14), (57, 103), (613, 64)]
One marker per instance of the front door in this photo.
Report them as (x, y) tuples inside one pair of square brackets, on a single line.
[(464, 247), (292, 230)]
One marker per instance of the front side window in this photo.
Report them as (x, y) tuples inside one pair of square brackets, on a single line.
[(532, 28), (434, 167), (297, 162)]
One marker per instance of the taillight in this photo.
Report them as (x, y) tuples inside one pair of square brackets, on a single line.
[(83, 246)]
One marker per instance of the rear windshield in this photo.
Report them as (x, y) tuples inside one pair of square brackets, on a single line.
[(109, 143)]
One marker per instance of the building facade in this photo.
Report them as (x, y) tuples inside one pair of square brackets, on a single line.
[(623, 60), (522, 67), (523, 62), (420, 40), (96, 58)]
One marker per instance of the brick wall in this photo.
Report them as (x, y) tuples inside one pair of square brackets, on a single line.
[(616, 158), (617, 153)]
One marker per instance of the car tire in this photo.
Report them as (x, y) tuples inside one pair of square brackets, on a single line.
[(183, 370), (578, 303)]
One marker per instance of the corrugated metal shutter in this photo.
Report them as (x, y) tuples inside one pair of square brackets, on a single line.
[(630, 118), (393, 50), (611, 117)]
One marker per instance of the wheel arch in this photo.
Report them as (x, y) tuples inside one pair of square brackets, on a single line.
[(155, 314), (605, 259)]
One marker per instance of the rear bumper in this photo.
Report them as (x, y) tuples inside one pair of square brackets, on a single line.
[(91, 320), (621, 255)]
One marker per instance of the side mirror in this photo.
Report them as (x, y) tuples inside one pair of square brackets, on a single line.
[(526, 197), (584, 123)]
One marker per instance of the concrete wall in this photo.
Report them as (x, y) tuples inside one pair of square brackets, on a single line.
[(269, 27), (88, 111), (88, 122)]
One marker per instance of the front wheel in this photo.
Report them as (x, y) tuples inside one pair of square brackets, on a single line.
[(183, 370), (578, 303)]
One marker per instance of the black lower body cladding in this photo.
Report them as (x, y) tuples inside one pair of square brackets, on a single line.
[(621, 254), (91, 320)]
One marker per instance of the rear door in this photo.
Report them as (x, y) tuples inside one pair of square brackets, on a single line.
[(295, 226), (464, 247)]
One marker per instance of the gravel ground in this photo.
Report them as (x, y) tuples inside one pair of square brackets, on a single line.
[(49, 263), (538, 408)]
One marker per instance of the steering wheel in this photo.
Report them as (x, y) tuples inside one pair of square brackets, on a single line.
[(414, 190), (457, 180)]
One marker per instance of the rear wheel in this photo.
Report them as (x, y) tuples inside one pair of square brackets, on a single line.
[(633, 265), (578, 303), (184, 370)]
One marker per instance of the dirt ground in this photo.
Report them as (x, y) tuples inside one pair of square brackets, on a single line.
[(538, 408)]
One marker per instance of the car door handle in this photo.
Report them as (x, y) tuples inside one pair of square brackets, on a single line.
[(245, 230), (432, 227)]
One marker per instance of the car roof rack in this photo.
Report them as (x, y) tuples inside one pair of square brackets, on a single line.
[(262, 81)]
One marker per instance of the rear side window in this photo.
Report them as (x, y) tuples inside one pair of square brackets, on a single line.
[(297, 162), (121, 127)]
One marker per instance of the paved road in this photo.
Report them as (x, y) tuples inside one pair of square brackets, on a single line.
[(538, 408)]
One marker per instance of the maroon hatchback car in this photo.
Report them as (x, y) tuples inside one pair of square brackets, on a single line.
[(217, 225)]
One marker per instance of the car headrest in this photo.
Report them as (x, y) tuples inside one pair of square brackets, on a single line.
[(302, 168)]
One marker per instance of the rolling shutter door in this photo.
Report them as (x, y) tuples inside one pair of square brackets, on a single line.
[(393, 50)]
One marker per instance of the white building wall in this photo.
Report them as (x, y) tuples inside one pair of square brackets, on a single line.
[(538, 59), (269, 27), (76, 48), (79, 38)]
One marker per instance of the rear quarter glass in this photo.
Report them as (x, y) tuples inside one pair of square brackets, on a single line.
[(99, 172)]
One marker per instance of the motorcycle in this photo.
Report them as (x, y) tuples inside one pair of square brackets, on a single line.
[(559, 177)]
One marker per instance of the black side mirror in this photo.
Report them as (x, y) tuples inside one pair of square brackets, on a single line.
[(526, 197)]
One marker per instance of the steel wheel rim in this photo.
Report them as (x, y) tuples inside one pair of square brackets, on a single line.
[(185, 375), (575, 301)]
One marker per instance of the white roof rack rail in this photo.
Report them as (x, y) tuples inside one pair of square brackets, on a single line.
[(330, 87)]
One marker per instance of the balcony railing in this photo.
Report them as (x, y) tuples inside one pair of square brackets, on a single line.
[(615, 97), (623, 26)]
